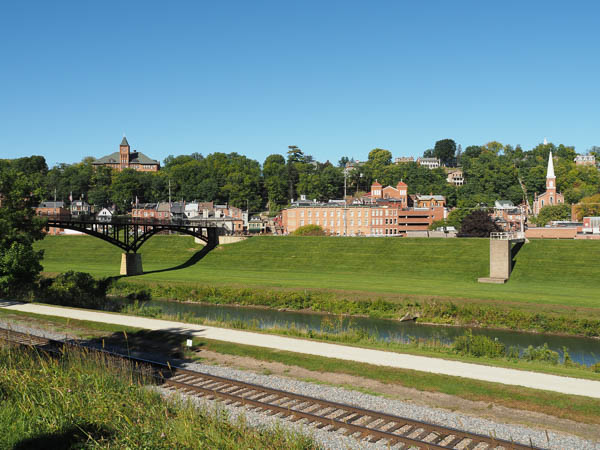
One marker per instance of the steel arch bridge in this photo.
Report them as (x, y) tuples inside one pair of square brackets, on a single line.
[(129, 234)]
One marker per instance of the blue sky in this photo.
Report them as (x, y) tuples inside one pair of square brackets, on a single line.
[(334, 78)]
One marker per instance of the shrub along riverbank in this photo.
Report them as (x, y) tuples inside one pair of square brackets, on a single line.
[(431, 311), (93, 401), (468, 347)]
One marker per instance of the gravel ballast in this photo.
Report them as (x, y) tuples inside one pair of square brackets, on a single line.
[(518, 433)]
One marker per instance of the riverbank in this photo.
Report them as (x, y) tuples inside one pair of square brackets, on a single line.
[(478, 314), (553, 288), (506, 404)]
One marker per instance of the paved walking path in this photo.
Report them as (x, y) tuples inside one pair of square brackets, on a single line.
[(566, 385)]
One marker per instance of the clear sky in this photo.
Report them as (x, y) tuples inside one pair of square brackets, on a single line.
[(334, 78)]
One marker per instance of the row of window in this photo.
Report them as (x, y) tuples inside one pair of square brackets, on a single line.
[(386, 231), (338, 213), (150, 214)]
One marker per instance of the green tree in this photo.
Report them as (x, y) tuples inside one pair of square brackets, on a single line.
[(19, 228), (125, 187), (344, 160), (445, 150), (99, 193), (276, 182), (588, 207), (552, 212), (294, 159)]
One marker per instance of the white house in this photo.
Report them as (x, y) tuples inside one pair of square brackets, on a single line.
[(105, 215)]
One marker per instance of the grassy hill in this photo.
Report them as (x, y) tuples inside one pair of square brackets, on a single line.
[(547, 271)]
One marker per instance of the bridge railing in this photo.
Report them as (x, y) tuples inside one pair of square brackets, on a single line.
[(136, 221), (502, 236)]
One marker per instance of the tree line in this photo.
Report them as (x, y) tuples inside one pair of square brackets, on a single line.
[(492, 171)]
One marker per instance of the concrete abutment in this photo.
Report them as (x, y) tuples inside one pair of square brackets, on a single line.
[(131, 264), (502, 253)]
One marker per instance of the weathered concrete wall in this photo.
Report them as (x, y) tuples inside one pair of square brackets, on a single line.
[(442, 234), (224, 240), (551, 233), (588, 236), (500, 258), (131, 264)]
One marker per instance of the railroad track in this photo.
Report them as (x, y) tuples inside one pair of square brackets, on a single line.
[(364, 424)]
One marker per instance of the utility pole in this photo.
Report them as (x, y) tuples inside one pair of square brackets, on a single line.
[(345, 204), (169, 194)]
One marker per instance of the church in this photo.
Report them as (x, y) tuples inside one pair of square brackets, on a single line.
[(127, 159), (550, 197)]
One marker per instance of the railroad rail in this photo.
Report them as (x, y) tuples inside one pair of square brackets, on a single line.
[(374, 426)]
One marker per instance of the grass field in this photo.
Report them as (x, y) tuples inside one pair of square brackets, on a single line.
[(549, 272)]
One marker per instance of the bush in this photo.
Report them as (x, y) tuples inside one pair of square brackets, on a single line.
[(477, 345), (77, 289), (541, 353), (309, 230)]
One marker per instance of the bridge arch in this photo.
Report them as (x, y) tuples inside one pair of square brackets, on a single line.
[(130, 234)]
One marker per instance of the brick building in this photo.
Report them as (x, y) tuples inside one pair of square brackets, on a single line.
[(53, 209), (508, 216), (127, 159), (385, 211)]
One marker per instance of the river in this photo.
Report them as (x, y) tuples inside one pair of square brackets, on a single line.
[(582, 350)]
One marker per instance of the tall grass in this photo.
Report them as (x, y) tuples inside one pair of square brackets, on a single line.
[(341, 329), (90, 400), (433, 311)]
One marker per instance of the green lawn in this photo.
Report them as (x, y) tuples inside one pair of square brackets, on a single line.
[(546, 271)]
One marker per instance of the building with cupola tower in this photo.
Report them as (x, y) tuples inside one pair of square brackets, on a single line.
[(550, 197), (125, 158)]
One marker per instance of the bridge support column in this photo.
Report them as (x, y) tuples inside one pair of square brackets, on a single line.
[(131, 264), (502, 253)]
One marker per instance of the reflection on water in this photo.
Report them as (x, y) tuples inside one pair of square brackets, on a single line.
[(582, 350)]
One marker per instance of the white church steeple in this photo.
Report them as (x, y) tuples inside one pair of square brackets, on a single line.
[(550, 172), (550, 178)]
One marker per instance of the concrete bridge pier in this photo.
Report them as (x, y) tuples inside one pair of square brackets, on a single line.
[(502, 253), (131, 264)]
